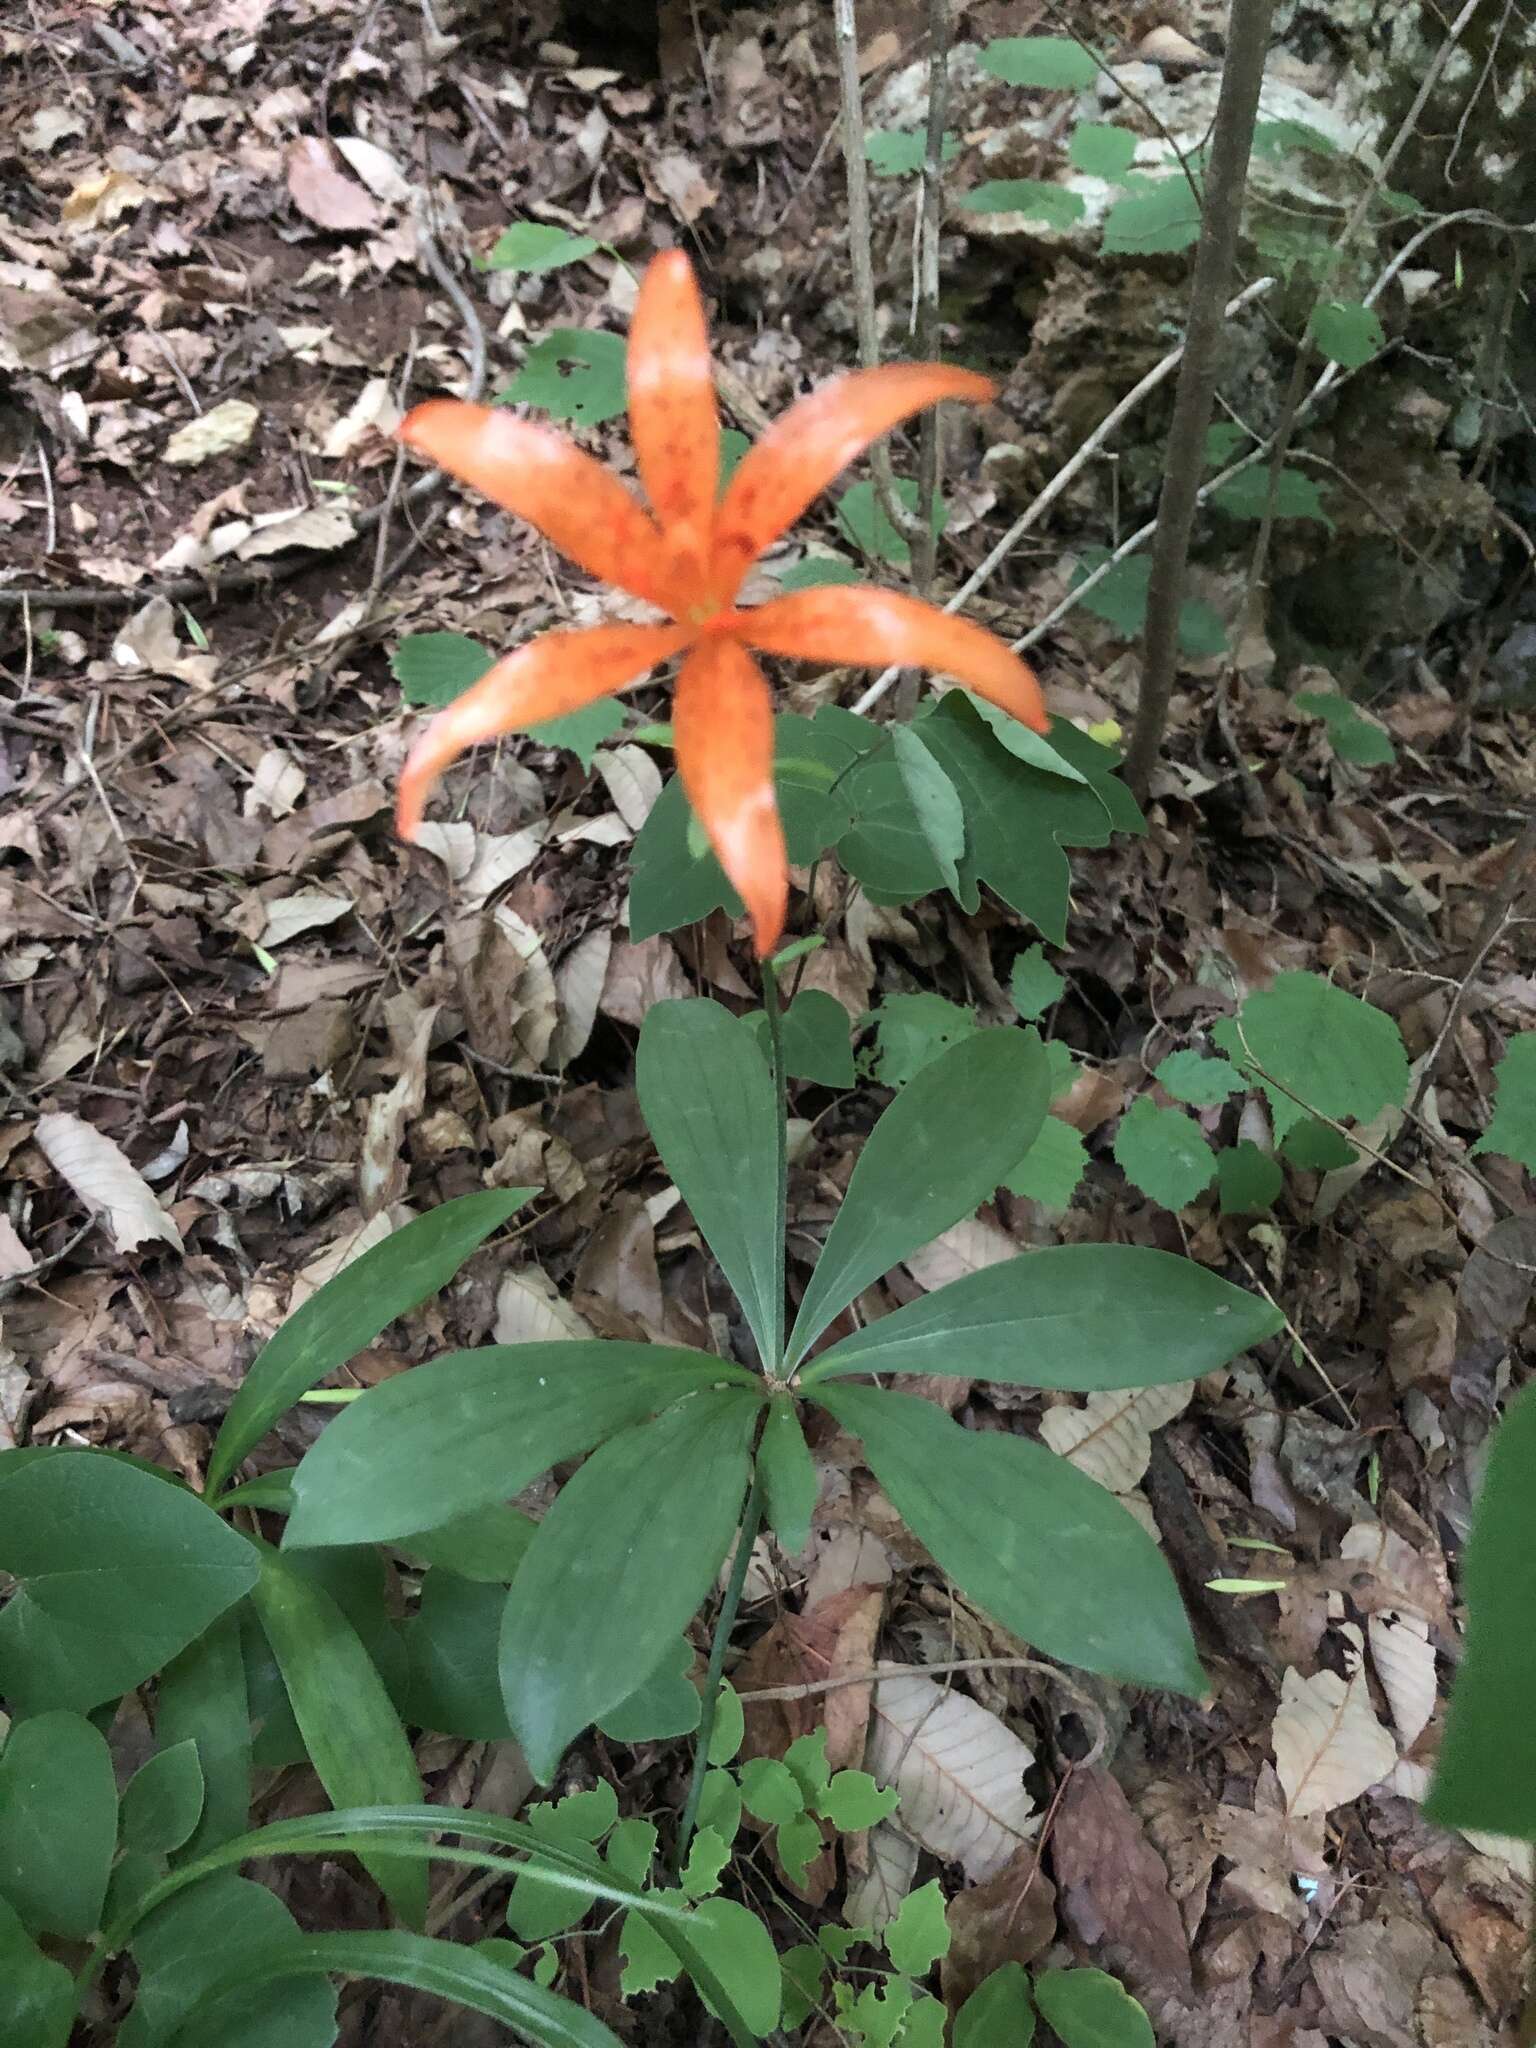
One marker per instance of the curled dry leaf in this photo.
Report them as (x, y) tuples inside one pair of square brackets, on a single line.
[(1404, 1659), (381, 1173), (1329, 1747), (104, 1180), (372, 412), (1110, 1436), (302, 912), (578, 989), (322, 193), (319, 527), (959, 1771)]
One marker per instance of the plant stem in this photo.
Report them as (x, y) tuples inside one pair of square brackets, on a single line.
[(774, 1366), (725, 1621), (1241, 78)]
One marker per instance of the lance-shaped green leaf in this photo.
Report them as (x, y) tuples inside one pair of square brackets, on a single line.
[(619, 1567), (708, 1101), (424, 1448), (348, 1721), (1085, 1316), (348, 1312), (946, 1143), (1033, 1541)]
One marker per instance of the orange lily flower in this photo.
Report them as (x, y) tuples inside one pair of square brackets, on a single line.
[(688, 556)]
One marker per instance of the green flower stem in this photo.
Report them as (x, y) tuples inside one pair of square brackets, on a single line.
[(725, 1621), (774, 1366)]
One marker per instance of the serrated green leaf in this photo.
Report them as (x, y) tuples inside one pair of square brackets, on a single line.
[(1054, 206), (1053, 1166), (1513, 1129), (1317, 1147), (1249, 1180), (769, 1790), (530, 245), (1164, 1153), (900, 152), (434, 668), (798, 1843), (1352, 735), (853, 1800), (1339, 1056), (1056, 62), (919, 1934), (631, 1849), (574, 374), (1156, 221), (1347, 332), (1196, 1078), (1034, 983), (708, 1855), (1247, 496), (1102, 151)]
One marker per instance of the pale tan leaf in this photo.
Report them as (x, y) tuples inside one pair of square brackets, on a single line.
[(530, 1310), (320, 191), (148, 642), (959, 1771), (217, 432), (381, 1172), (104, 1180), (1329, 1747), (1110, 1436), (373, 411), (354, 1240), (874, 1899), (377, 169), (633, 781), (301, 912), (320, 527), (1404, 1659), (579, 986), (966, 1248)]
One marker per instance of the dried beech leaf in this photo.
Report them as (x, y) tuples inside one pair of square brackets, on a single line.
[(1110, 1436), (959, 1771), (1329, 1747), (1404, 1658), (530, 1310), (320, 527), (578, 988), (874, 1899), (104, 1180), (322, 194)]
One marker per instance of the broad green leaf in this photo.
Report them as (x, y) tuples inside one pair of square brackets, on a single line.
[(1247, 496), (434, 668), (1086, 1317), (720, 1806), (816, 1046), (1034, 1542), (1091, 2010), (1248, 1179), (487, 1544), (583, 731), (941, 1149), (204, 1936), (853, 1800), (348, 1721), (537, 1910), (1275, 138), (47, 1663), (862, 518), (1034, 983), (535, 245), (648, 1961), (1052, 1167), (1340, 1056), (446, 1969), (730, 1725), (574, 373), (789, 1478), (1317, 1146), (1102, 151), (740, 1950), (452, 1641), (935, 802), (901, 152), (1347, 332), (1513, 1130), (631, 1849), (58, 1823), (919, 1934), (816, 572), (708, 1101), (1352, 735), (1486, 1774), (709, 1855), (769, 1790), (1000, 2010), (1054, 206), (667, 1704), (99, 1546), (1121, 601), (37, 1995), (804, 1969), (350, 1310), (1056, 62), (463, 1431), (912, 1031), (1155, 220), (619, 1567), (163, 1800), (1163, 1152), (1196, 1078)]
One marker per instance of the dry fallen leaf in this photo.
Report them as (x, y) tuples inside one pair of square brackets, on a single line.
[(966, 1248), (959, 1771), (1110, 1436), (322, 193), (633, 781), (97, 202), (1404, 1659), (377, 169), (874, 1898), (147, 643), (530, 1310), (373, 412), (1113, 1886), (301, 912), (381, 1172), (321, 527), (103, 1179), (1329, 1747), (578, 988), (1009, 1919), (225, 427)]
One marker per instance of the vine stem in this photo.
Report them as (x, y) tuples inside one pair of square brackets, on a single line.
[(725, 1621)]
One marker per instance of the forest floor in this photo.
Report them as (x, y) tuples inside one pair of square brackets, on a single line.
[(214, 951)]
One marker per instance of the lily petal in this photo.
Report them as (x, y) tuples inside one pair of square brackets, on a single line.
[(673, 420), (802, 452), (547, 480), (870, 628), (554, 674), (722, 718)]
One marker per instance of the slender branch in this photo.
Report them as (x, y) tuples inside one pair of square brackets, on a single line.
[(845, 30), (725, 1621), (926, 325), (1236, 112)]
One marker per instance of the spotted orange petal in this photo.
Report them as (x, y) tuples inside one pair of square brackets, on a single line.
[(801, 453), (673, 419), (553, 675), (547, 480), (869, 628), (722, 717)]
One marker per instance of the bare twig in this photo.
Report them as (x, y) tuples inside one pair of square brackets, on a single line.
[(1236, 112), (926, 322)]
